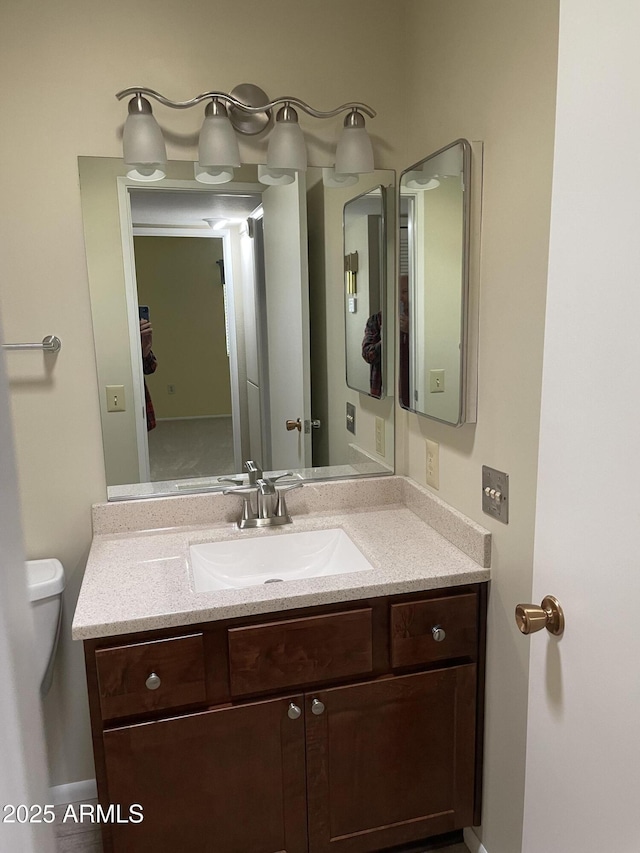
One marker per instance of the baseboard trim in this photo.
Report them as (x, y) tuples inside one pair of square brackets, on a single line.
[(75, 792), (472, 841), (193, 418)]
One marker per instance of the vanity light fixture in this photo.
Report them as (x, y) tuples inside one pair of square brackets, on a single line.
[(354, 154), (419, 180), (246, 110), (142, 142), (218, 152), (276, 177), (331, 178)]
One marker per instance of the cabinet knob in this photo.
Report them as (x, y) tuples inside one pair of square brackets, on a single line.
[(153, 682), (294, 711), (438, 633), (317, 707)]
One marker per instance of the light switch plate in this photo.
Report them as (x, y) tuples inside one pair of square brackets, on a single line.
[(495, 493), (115, 398), (436, 381), (351, 418), (433, 464)]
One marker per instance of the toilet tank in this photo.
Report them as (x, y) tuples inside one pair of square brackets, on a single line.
[(45, 583)]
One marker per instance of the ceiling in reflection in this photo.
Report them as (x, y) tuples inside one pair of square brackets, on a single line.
[(183, 209)]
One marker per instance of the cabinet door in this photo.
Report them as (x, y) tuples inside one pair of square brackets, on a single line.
[(223, 781), (391, 761)]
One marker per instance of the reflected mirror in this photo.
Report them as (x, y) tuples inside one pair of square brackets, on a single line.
[(434, 223), (364, 270), (214, 310)]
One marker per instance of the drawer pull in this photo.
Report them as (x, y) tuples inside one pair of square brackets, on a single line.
[(317, 707), (294, 711), (153, 682), (438, 633)]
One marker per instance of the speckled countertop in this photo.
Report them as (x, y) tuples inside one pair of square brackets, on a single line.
[(138, 575)]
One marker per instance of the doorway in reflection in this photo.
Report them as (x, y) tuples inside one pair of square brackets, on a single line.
[(180, 284)]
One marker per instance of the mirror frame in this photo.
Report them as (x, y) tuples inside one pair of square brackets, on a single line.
[(467, 178)]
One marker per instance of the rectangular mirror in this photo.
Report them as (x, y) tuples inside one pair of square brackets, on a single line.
[(211, 348), (434, 220), (364, 226)]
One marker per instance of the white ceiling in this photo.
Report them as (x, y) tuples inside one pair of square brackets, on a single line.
[(189, 208)]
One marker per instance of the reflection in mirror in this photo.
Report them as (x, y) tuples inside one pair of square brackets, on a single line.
[(207, 351), (364, 265), (433, 287)]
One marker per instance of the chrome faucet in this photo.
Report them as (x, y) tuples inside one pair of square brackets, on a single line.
[(254, 471), (270, 507)]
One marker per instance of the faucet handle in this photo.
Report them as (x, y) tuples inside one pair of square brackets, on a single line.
[(254, 470), (280, 476), (232, 480), (290, 486), (244, 493), (281, 505)]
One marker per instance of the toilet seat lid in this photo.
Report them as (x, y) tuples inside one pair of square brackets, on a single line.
[(45, 578)]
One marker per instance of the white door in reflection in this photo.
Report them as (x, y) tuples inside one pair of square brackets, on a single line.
[(287, 321)]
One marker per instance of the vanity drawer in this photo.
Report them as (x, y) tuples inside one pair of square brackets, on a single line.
[(125, 683), (302, 651), (412, 630)]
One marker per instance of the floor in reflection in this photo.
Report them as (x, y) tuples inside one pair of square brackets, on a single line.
[(191, 447)]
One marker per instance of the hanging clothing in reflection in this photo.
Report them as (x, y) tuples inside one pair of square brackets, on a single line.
[(149, 364), (372, 352)]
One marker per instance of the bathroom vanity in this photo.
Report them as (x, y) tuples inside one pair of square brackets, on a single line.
[(341, 713)]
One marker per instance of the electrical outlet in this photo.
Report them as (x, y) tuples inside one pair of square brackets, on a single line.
[(380, 436), (433, 464), (171, 389), (436, 381), (115, 398)]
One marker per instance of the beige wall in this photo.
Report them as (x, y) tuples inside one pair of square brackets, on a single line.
[(486, 71), (60, 65), (179, 280), (483, 70)]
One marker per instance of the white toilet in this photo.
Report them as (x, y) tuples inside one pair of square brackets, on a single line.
[(45, 581)]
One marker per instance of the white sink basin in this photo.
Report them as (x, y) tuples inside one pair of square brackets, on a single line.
[(269, 559)]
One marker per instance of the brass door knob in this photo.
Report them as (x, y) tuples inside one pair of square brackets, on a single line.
[(550, 615), (294, 425)]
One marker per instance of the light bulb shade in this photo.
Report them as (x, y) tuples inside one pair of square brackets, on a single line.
[(287, 149), (143, 145), (275, 177), (218, 144), (419, 180), (354, 154), (333, 179), (447, 164), (213, 175)]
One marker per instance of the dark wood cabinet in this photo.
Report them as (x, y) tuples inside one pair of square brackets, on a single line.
[(391, 761), (346, 728), (231, 779)]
